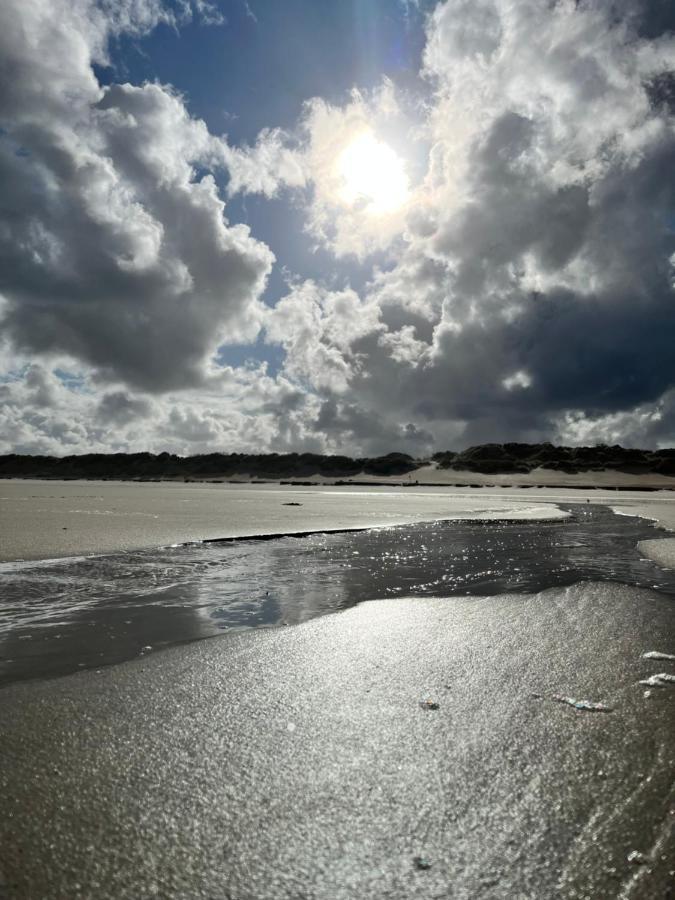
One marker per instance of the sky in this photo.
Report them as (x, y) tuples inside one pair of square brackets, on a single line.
[(338, 227)]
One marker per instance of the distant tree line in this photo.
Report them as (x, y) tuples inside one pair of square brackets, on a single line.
[(485, 458), (145, 466), (522, 458)]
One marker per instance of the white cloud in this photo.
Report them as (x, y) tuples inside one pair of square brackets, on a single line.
[(240, 410), (113, 249), (271, 164), (519, 380), (339, 215), (650, 425), (318, 329)]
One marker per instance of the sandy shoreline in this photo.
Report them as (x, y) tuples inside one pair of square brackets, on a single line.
[(299, 762), (51, 519), (63, 615)]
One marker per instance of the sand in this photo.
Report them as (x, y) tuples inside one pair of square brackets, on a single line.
[(299, 763), (604, 479), (50, 519), (660, 508), (662, 551)]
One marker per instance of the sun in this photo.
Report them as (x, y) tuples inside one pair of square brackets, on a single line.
[(371, 173)]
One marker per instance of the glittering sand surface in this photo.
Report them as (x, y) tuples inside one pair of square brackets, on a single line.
[(407, 747), (301, 763)]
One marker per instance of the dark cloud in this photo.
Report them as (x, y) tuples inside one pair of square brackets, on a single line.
[(119, 408), (348, 424), (538, 290)]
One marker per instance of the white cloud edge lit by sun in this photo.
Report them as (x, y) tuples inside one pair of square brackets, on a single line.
[(343, 147)]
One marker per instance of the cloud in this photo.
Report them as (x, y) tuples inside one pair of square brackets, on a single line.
[(534, 284), (267, 167), (349, 425), (118, 408), (318, 329), (114, 245), (54, 412), (524, 290), (350, 226)]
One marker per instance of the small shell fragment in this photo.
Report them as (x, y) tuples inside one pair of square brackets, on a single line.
[(429, 704)]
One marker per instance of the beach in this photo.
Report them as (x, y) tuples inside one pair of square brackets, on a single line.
[(46, 519), (71, 518), (337, 450), (301, 763), (406, 746)]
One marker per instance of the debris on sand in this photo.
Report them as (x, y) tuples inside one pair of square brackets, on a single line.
[(637, 858), (660, 680), (429, 704), (291, 503), (585, 705), (421, 863), (656, 654)]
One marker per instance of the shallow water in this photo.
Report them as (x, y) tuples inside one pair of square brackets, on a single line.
[(59, 616)]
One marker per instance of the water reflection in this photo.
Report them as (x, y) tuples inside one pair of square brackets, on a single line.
[(60, 616)]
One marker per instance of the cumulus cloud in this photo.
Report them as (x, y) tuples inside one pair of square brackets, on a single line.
[(524, 288), (55, 412), (318, 328), (271, 164), (114, 249), (533, 290)]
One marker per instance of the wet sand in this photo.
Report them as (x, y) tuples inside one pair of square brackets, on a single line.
[(52, 519), (661, 550), (46, 519), (300, 763), (61, 616)]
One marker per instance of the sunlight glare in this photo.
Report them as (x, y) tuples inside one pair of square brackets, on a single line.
[(371, 172)]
